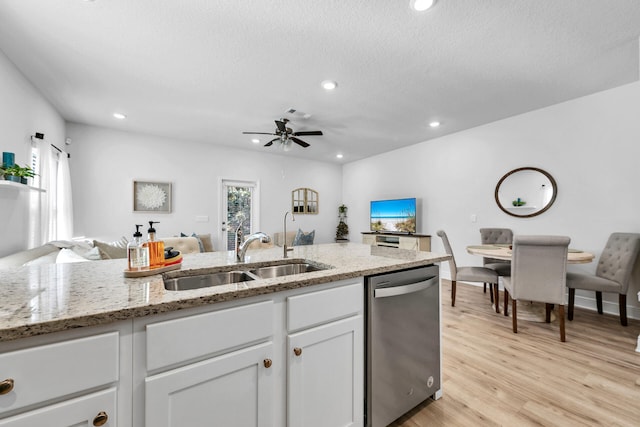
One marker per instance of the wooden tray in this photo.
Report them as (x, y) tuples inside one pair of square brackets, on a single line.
[(151, 272)]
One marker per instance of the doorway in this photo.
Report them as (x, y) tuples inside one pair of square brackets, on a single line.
[(240, 204)]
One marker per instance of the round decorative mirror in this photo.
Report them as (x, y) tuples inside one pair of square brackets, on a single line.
[(526, 192)]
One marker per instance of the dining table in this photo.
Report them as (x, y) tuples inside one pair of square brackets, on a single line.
[(527, 310)]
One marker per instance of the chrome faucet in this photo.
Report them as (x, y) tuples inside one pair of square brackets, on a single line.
[(241, 247), (286, 249)]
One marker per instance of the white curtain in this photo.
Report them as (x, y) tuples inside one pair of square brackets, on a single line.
[(64, 217), (54, 205)]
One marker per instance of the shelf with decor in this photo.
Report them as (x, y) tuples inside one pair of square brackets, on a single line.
[(19, 186)]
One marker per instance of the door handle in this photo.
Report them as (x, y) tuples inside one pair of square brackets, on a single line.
[(405, 289)]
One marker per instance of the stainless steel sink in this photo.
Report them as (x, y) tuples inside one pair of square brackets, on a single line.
[(205, 280), (177, 281), (284, 270)]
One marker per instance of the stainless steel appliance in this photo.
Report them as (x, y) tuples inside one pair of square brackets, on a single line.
[(402, 342)]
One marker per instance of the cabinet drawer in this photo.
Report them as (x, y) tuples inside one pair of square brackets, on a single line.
[(56, 370), (325, 306), (82, 411), (176, 341)]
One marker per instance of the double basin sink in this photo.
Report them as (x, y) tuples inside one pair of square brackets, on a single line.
[(196, 281)]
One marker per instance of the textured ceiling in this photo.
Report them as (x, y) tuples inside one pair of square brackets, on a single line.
[(207, 70)]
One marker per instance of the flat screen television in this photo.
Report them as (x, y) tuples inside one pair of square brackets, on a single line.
[(393, 216)]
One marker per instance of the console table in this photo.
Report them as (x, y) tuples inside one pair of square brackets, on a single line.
[(419, 242)]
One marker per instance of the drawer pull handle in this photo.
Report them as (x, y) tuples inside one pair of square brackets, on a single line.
[(267, 363), (6, 386), (297, 351), (100, 419)]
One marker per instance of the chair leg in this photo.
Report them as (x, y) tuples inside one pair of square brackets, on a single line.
[(485, 287), (506, 302), (622, 302), (514, 317), (547, 312), (496, 298), (599, 301), (453, 293), (491, 291), (572, 300), (561, 320)]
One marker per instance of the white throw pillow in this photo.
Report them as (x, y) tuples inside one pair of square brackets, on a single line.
[(67, 255)]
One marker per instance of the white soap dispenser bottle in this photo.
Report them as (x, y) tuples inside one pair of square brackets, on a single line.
[(137, 252)]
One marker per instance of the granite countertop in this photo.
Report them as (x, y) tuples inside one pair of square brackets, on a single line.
[(49, 298)]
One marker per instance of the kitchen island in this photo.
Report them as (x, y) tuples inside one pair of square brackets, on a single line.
[(156, 349)]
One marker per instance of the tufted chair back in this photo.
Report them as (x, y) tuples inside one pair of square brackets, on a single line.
[(498, 236), (618, 258)]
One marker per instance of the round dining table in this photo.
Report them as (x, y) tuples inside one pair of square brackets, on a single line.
[(532, 311)]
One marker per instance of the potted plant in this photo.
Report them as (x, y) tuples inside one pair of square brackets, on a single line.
[(342, 210), (17, 173), (342, 231)]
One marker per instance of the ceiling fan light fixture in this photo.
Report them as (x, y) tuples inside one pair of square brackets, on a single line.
[(329, 84), (422, 5)]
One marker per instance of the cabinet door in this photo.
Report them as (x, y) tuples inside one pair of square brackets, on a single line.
[(87, 410), (230, 390), (325, 375)]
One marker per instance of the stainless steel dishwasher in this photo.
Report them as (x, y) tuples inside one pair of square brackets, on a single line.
[(402, 342)]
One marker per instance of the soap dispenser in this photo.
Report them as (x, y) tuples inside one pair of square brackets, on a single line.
[(156, 247), (137, 252)]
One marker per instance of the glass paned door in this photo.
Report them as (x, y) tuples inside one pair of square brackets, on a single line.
[(239, 207)]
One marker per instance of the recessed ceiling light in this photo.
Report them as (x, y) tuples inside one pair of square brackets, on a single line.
[(329, 85), (339, 156), (434, 124), (119, 116), (255, 141), (422, 5)]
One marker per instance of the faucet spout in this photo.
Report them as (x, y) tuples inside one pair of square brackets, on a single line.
[(242, 249), (284, 226)]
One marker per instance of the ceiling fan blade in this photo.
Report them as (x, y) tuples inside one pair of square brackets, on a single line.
[(299, 141), (259, 133), (307, 132), (281, 126), (268, 144)]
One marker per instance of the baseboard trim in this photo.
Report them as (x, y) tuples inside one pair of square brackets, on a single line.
[(581, 301)]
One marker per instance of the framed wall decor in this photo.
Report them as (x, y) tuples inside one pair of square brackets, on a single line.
[(151, 196), (304, 201)]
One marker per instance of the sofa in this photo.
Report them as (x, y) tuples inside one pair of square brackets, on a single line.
[(65, 251)]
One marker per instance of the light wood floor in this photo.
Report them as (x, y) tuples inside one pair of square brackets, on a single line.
[(493, 377)]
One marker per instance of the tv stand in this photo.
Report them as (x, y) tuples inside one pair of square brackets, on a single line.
[(420, 242)]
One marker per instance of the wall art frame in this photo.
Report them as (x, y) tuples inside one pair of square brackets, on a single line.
[(149, 196)]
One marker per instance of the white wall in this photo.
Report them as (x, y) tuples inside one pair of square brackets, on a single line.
[(104, 164), (589, 145), (23, 112)]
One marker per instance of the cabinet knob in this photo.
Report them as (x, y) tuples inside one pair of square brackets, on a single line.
[(6, 386), (100, 419), (267, 363), (297, 351)]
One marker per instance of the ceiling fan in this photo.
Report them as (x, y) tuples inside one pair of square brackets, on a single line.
[(285, 135)]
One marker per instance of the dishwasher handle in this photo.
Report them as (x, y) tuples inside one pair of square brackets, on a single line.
[(393, 291)]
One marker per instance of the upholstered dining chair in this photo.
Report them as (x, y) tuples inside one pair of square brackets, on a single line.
[(538, 273), (468, 274), (613, 273), (498, 236)]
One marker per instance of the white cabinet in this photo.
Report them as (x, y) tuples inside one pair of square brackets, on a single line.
[(234, 389), (235, 363), (325, 358), (415, 242), (70, 378), (325, 375), (211, 369), (96, 409)]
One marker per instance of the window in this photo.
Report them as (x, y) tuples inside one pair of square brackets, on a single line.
[(304, 201)]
